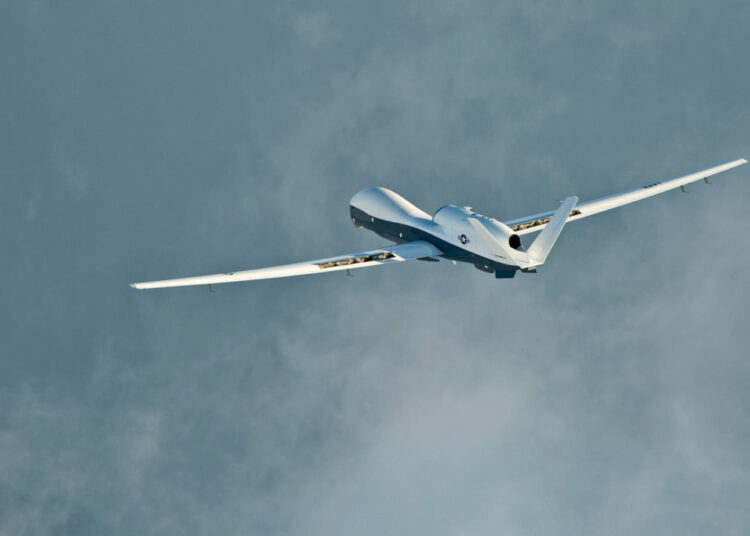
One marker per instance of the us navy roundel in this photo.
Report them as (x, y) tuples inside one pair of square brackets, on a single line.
[(463, 239)]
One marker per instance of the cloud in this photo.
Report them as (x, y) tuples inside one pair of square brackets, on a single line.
[(315, 29), (604, 394)]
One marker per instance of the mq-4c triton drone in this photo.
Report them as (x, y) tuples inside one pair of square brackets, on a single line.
[(454, 233)]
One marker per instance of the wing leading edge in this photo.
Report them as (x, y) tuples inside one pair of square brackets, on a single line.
[(375, 257), (537, 222)]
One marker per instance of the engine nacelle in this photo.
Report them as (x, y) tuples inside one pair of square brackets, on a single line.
[(506, 232), (455, 222)]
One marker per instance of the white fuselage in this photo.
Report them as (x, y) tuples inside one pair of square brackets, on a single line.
[(391, 216)]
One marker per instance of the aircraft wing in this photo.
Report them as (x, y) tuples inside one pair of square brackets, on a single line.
[(537, 222), (375, 257)]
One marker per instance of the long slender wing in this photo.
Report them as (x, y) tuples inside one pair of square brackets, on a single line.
[(375, 257), (537, 222)]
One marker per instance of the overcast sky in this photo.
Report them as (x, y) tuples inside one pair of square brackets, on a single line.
[(608, 394)]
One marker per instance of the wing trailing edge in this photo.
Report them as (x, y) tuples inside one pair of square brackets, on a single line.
[(537, 222), (376, 257)]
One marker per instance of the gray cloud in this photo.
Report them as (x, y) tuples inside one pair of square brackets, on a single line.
[(605, 394), (315, 29)]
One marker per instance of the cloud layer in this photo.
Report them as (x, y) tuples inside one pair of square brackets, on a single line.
[(607, 394)]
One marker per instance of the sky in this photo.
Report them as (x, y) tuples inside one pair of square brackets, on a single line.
[(607, 394)]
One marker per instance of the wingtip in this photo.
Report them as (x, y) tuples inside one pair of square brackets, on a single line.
[(135, 286)]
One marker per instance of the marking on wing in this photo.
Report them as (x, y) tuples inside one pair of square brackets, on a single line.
[(357, 260), (540, 221)]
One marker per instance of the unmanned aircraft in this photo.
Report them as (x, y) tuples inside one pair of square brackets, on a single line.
[(454, 233)]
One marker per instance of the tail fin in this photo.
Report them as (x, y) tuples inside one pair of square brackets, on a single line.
[(541, 247)]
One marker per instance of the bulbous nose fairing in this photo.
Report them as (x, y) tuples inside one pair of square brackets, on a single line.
[(385, 204)]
